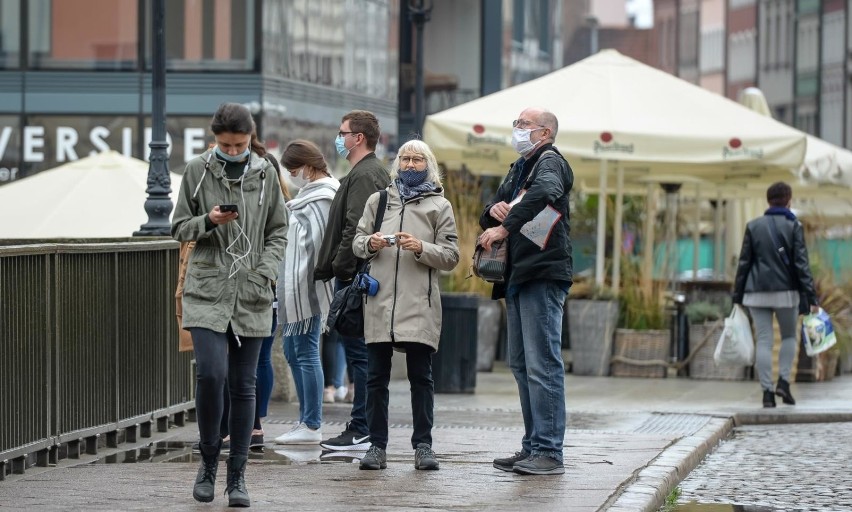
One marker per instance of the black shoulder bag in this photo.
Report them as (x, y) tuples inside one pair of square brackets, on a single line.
[(804, 307), (346, 313)]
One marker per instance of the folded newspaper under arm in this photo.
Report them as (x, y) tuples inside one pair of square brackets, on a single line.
[(539, 229)]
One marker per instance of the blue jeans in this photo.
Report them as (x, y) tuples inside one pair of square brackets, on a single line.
[(356, 360), (535, 358), (265, 374), (302, 353)]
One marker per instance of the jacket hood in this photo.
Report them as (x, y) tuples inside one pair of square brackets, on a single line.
[(319, 190)]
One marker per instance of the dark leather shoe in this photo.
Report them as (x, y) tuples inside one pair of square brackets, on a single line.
[(782, 389), (768, 399)]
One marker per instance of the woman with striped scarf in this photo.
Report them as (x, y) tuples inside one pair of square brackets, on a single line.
[(302, 302)]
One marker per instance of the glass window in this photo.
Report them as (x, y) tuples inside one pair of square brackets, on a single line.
[(188, 137), (49, 141), (342, 44), (207, 35), (10, 149), (10, 34), (84, 34)]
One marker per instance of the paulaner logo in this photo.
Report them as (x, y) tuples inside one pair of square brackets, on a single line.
[(736, 149), (606, 145)]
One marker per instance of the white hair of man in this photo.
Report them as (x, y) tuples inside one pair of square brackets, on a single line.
[(420, 148)]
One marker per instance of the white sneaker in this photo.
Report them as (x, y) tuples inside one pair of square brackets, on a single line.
[(328, 395), (340, 394), (301, 434)]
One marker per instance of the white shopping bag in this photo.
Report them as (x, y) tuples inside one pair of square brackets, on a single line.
[(736, 344), (818, 333)]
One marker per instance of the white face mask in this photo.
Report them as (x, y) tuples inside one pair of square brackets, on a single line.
[(299, 179), (521, 140)]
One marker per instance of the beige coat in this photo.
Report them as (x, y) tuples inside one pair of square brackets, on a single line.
[(407, 307)]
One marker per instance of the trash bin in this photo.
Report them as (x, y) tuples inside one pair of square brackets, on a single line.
[(454, 365)]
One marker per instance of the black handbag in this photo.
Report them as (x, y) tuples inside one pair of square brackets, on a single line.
[(804, 308), (346, 313)]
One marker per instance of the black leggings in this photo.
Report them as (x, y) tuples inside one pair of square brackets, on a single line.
[(221, 361)]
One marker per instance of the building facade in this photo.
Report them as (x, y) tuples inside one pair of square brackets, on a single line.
[(75, 77), (798, 52)]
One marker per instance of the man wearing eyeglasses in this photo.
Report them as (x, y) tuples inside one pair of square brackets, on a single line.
[(356, 142), (537, 281)]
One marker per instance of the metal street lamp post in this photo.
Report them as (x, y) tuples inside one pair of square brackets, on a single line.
[(157, 204), (419, 12)]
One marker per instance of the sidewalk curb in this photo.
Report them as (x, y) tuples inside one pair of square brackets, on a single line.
[(653, 483)]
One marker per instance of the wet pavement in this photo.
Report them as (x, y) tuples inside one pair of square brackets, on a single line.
[(802, 467), (629, 442)]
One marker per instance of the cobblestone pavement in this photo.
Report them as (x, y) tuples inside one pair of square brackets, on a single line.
[(800, 467)]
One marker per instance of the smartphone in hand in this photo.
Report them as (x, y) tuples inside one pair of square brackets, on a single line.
[(224, 208)]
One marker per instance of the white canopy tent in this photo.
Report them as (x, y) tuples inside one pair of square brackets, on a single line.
[(824, 163), (100, 196), (616, 110)]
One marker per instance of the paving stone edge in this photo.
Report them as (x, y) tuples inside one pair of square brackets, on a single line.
[(652, 484)]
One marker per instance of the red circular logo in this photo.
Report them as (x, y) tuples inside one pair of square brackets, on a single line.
[(606, 136), (735, 143), (478, 129)]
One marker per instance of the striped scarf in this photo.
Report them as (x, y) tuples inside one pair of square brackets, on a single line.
[(303, 301)]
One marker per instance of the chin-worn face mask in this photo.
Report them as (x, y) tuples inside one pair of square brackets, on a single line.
[(228, 158), (340, 144), (521, 140)]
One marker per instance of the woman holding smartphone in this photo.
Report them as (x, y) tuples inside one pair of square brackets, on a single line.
[(228, 292)]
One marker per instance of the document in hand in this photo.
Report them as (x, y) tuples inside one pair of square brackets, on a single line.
[(539, 229)]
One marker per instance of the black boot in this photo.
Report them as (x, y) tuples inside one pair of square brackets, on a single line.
[(236, 489), (768, 398), (205, 481), (782, 389)]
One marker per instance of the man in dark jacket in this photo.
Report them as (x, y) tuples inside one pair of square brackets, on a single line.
[(538, 277), (356, 142)]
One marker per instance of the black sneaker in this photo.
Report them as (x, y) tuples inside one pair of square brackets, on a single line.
[(768, 399), (507, 464), (424, 457), (783, 390), (347, 440), (376, 458), (256, 441), (539, 465)]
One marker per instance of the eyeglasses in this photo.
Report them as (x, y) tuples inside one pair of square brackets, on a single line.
[(522, 123), (416, 160), (344, 134)]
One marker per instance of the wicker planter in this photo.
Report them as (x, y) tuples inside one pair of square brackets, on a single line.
[(592, 324), (632, 347), (702, 365)]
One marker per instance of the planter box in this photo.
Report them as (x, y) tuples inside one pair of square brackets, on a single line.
[(702, 365), (454, 365), (651, 345), (592, 324)]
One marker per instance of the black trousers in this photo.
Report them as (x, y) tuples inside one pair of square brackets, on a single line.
[(221, 363), (418, 360)]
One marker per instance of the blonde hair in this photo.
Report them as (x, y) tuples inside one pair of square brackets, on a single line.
[(420, 148)]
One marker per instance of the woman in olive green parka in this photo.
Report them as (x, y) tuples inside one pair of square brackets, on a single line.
[(228, 292)]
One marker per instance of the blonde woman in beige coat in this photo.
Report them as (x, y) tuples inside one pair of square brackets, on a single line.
[(416, 240)]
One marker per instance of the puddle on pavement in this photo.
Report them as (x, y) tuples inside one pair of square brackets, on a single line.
[(169, 451), (718, 507)]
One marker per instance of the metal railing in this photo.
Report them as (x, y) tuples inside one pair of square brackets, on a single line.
[(88, 346)]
